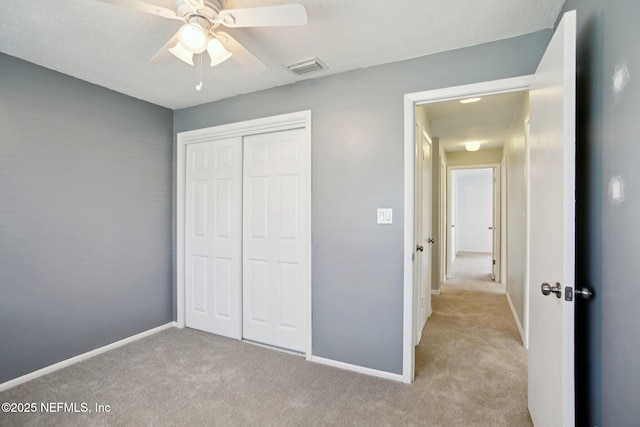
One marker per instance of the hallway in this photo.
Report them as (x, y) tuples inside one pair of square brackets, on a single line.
[(471, 352)]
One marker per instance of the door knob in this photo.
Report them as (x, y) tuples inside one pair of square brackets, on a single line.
[(490, 228), (431, 240), (585, 293), (419, 248), (547, 289)]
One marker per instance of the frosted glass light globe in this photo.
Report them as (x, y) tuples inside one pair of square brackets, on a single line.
[(193, 38)]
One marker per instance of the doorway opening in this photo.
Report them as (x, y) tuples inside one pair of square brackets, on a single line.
[(448, 156), (474, 224), (547, 159)]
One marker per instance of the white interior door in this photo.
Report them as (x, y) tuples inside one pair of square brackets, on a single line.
[(552, 222), (213, 227), (422, 270), (495, 275), (444, 247), (452, 241), (275, 239), (426, 229), (419, 245)]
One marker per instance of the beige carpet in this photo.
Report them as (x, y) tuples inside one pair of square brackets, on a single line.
[(471, 371), (471, 351)]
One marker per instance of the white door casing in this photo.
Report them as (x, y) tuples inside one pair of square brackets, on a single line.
[(552, 228), (458, 192), (213, 239), (274, 239), (411, 100)]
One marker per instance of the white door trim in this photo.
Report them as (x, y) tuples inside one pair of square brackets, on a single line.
[(497, 200), (300, 119), (493, 87)]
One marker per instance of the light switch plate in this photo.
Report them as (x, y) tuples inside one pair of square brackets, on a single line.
[(385, 216)]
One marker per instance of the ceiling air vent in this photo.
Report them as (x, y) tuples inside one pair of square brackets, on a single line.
[(306, 66)]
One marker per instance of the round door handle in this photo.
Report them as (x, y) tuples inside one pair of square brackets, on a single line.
[(420, 248), (585, 293), (547, 289), (490, 228), (430, 240)]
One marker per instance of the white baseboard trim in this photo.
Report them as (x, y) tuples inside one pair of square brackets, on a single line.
[(435, 291), (515, 317), (84, 356), (358, 369)]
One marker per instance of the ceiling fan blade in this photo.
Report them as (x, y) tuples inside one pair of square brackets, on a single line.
[(163, 56), (145, 7), (240, 53), (267, 16)]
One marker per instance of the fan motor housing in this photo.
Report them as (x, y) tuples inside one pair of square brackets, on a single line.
[(210, 11)]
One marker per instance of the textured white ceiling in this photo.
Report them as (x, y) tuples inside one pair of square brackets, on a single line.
[(111, 46)]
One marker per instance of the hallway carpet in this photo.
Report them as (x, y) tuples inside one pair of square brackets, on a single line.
[(471, 371)]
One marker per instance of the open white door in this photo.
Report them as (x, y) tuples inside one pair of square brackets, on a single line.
[(495, 228), (452, 241), (552, 222), (422, 269), (427, 228)]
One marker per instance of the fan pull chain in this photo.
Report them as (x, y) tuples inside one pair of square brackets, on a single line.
[(199, 85)]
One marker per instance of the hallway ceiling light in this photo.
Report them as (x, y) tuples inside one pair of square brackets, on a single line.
[(469, 100), (472, 146)]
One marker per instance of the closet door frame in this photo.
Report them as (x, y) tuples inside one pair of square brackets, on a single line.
[(297, 120)]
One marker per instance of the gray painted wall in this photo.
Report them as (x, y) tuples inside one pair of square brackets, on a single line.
[(514, 154), (358, 166), (607, 244), (85, 217)]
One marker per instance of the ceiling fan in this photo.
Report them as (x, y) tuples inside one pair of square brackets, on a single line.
[(199, 33)]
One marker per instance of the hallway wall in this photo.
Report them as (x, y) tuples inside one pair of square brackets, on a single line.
[(516, 200), (469, 158)]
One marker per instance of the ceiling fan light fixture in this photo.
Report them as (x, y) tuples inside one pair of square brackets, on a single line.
[(193, 38), (181, 53), (217, 52)]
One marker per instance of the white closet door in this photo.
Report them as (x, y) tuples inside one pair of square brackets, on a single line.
[(274, 248), (213, 237)]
